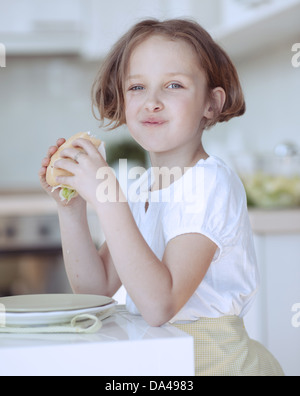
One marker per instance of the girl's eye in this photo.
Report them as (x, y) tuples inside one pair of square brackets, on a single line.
[(174, 86), (136, 88)]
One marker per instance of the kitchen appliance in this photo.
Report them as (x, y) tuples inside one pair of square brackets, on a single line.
[(30, 254), (30, 247), (29, 233), (31, 259), (271, 180)]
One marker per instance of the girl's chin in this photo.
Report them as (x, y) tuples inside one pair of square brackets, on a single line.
[(150, 145), (155, 148), (155, 144)]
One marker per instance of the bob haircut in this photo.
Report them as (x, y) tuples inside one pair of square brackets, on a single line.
[(108, 87)]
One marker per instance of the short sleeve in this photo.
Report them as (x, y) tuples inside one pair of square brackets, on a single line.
[(209, 200)]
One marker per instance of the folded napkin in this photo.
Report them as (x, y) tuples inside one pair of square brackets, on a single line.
[(80, 324)]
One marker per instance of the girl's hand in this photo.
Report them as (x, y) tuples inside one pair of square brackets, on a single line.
[(84, 166), (42, 175)]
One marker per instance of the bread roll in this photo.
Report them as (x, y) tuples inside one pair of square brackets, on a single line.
[(53, 172)]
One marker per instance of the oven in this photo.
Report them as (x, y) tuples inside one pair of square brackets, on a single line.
[(31, 259), (31, 255)]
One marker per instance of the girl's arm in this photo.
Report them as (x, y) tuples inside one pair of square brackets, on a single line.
[(89, 271), (159, 288)]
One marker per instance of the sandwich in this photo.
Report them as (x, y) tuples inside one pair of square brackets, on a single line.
[(67, 192)]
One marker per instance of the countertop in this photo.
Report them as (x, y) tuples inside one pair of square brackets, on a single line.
[(26, 204), (39, 203), (125, 345), (284, 221)]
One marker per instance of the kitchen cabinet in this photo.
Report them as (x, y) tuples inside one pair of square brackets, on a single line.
[(83, 27), (107, 22), (125, 345), (273, 318), (90, 27), (252, 26), (29, 27)]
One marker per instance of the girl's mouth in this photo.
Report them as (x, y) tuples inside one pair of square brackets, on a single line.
[(153, 122)]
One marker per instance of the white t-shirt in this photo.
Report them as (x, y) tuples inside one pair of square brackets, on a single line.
[(208, 199)]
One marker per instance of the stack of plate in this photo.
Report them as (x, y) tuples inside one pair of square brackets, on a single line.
[(52, 309)]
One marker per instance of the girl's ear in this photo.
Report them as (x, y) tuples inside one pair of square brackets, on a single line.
[(216, 103)]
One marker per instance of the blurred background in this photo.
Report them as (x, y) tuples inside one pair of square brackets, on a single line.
[(53, 51)]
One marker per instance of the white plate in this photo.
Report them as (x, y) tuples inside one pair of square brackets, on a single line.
[(53, 302), (50, 309)]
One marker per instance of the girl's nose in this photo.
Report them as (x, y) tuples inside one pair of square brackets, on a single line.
[(154, 103)]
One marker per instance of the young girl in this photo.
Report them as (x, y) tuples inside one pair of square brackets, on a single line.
[(182, 248)]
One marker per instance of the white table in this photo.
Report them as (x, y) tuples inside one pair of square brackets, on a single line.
[(125, 345)]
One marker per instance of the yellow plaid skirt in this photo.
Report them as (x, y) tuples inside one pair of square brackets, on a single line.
[(223, 348)]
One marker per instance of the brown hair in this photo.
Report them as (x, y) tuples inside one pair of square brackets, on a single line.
[(108, 88)]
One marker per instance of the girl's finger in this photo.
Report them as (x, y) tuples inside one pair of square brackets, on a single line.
[(46, 161), (71, 153), (65, 180), (42, 171), (86, 145), (66, 164), (52, 150), (60, 142)]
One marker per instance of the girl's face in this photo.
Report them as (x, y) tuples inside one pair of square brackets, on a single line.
[(165, 96)]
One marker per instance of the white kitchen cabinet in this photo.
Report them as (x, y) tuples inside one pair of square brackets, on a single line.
[(106, 21), (90, 27), (40, 27), (86, 27), (274, 317), (239, 12), (23, 16), (251, 26)]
